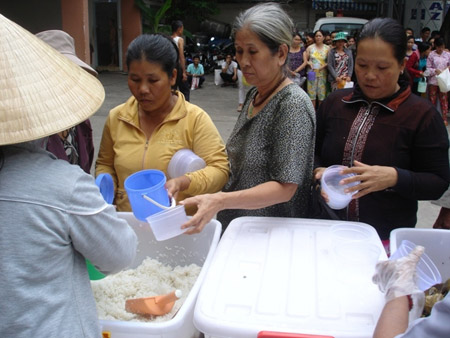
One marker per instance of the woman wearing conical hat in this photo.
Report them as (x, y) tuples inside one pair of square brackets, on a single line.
[(53, 216)]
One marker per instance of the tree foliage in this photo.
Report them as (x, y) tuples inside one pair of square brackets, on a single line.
[(197, 10), (158, 19), (152, 16)]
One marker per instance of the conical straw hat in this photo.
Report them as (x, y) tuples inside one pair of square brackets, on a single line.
[(41, 91)]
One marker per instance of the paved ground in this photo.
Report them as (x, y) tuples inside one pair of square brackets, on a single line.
[(221, 104)]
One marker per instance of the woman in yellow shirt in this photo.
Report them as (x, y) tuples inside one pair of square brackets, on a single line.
[(155, 122)]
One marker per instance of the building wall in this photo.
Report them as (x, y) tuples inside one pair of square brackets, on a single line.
[(33, 15), (76, 18), (300, 12)]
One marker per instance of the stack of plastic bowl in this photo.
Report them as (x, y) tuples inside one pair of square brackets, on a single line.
[(337, 197), (184, 161), (427, 273), (355, 250)]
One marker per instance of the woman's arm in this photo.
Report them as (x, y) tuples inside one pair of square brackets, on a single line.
[(330, 65), (306, 57), (394, 318), (410, 65), (426, 177), (106, 155), (260, 196), (350, 62), (207, 144), (430, 65)]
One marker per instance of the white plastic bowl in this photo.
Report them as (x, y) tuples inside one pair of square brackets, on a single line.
[(427, 272), (167, 223), (338, 199), (184, 161)]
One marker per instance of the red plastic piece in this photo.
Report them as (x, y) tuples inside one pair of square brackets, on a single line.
[(273, 334)]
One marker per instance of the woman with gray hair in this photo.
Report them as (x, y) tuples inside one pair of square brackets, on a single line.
[(271, 147)]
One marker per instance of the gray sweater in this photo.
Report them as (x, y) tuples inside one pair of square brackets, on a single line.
[(52, 217)]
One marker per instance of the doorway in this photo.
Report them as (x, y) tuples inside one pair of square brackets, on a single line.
[(107, 44)]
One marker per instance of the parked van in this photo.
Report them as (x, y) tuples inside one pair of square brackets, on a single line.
[(350, 26)]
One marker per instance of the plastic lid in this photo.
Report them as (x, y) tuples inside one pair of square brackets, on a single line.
[(106, 185)]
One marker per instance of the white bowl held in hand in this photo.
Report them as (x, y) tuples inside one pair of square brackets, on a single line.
[(337, 198), (184, 161)]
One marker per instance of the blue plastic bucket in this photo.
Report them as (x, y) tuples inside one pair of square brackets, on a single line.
[(311, 75), (151, 183)]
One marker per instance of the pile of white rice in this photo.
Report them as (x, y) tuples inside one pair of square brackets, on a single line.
[(150, 279)]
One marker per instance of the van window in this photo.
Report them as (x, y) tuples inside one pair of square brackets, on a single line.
[(350, 29)]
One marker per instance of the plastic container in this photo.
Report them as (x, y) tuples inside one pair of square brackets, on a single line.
[(106, 185), (184, 161), (351, 232), (182, 250), (167, 223), (280, 275), (338, 199), (151, 183), (435, 241), (427, 273), (94, 274), (311, 75)]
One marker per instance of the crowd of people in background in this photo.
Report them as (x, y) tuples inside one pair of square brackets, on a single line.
[(322, 62)]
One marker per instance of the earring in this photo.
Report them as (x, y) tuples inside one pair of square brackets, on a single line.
[(401, 72)]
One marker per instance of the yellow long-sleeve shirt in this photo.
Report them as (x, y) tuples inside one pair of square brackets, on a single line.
[(124, 148)]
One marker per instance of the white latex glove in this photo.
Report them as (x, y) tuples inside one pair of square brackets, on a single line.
[(398, 278)]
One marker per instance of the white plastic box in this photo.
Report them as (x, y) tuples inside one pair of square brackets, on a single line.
[(283, 275), (435, 241), (181, 250)]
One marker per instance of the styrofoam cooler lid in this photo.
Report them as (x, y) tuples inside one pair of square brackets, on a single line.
[(106, 185), (281, 274)]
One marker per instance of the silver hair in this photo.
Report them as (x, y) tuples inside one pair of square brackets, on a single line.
[(269, 21)]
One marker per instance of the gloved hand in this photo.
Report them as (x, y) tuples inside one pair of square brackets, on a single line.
[(397, 277)]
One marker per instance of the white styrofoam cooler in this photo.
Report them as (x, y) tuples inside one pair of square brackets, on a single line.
[(283, 275), (181, 250), (435, 241)]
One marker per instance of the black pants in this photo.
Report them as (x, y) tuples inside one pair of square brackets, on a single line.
[(227, 78), (185, 88)]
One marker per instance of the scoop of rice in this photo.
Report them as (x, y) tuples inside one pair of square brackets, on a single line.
[(150, 279)]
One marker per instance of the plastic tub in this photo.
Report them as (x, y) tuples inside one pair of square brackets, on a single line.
[(287, 282), (338, 199), (435, 241), (167, 223), (184, 161), (182, 250), (427, 273), (151, 183)]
